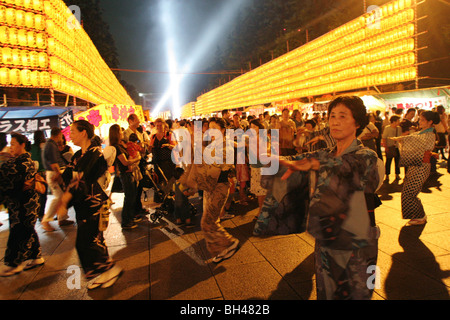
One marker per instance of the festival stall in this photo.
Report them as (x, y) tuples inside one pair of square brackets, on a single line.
[(426, 99), (105, 115), (27, 120)]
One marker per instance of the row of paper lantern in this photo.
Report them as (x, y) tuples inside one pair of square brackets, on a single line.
[(24, 77), (24, 58), (23, 38), (36, 5), (306, 89), (21, 19), (312, 66)]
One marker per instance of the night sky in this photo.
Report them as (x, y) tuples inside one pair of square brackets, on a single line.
[(140, 37)]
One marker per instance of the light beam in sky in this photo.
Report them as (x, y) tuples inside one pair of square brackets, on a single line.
[(213, 30)]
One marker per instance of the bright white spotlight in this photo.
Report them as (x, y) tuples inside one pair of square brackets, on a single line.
[(217, 24)]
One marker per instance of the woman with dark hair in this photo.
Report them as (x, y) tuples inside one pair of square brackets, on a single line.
[(219, 242), (91, 204), (123, 161), (415, 153), (23, 207), (341, 206)]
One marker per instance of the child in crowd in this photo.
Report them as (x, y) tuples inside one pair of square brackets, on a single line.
[(133, 148), (182, 208)]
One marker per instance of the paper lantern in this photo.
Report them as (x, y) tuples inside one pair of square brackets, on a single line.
[(4, 34), (4, 76), (44, 79), (20, 18), (2, 14), (39, 22), (29, 20), (16, 60), (37, 5), (25, 58), (25, 77), (10, 15), (22, 38), (41, 41), (43, 60), (14, 76), (12, 37)]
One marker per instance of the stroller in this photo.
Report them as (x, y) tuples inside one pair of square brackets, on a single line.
[(162, 194)]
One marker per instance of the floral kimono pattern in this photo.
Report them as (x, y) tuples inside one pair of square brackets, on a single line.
[(23, 207), (285, 207), (90, 201), (346, 237)]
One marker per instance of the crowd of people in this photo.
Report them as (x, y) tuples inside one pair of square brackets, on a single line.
[(337, 153)]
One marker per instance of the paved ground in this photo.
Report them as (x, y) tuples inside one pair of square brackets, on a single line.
[(163, 262)]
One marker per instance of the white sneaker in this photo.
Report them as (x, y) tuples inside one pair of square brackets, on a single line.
[(227, 253)]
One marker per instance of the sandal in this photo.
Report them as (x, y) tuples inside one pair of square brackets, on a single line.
[(417, 222), (106, 279), (34, 264), (227, 253)]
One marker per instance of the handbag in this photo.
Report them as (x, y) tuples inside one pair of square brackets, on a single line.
[(37, 182)]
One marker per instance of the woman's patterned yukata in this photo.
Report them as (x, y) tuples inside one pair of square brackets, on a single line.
[(346, 236), (89, 200), (23, 207)]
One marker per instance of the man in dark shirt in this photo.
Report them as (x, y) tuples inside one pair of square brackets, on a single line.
[(54, 165)]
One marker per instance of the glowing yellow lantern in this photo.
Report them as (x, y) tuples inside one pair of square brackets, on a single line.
[(25, 77), (25, 58), (34, 78), (16, 57), (7, 56), (39, 22), (37, 5), (33, 59), (12, 36), (4, 34), (41, 42), (28, 4), (22, 37), (14, 76), (31, 39), (4, 76), (29, 20), (20, 18), (43, 60), (10, 16), (2, 14), (44, 79)]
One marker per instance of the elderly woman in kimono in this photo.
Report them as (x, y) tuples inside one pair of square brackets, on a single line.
[(416, 155), (341, 205), (91, 205)]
